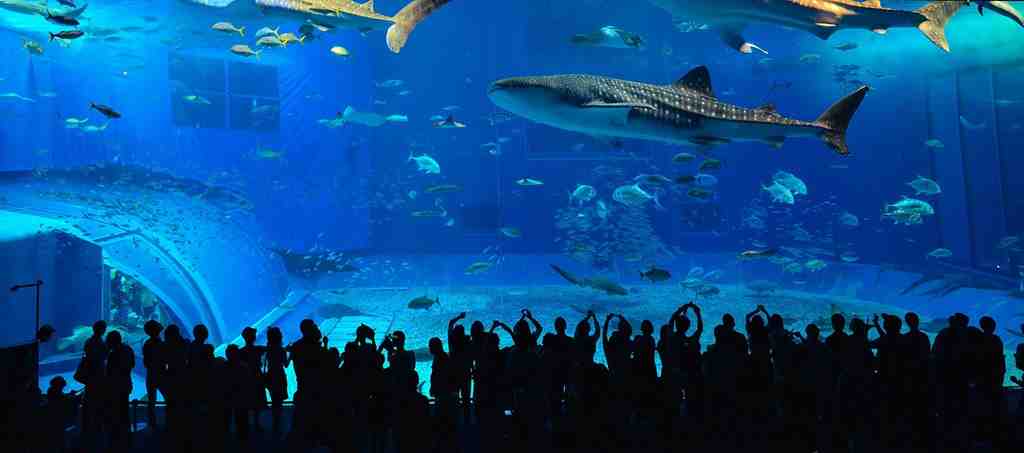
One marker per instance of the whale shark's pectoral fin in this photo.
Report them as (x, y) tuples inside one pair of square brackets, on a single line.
[(615, 113), (732, 36)]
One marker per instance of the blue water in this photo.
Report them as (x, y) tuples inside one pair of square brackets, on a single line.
[(341, 189)]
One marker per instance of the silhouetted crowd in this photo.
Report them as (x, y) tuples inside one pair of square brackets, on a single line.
[(771, 389)]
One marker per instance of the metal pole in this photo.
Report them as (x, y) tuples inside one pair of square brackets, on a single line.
[(39, 286)]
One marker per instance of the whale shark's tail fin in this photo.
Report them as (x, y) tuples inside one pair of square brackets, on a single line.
[(836, 119), (407, 19), (937, 14)]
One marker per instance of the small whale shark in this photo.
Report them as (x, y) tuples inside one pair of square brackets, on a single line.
[(685, 112), (821, 18)]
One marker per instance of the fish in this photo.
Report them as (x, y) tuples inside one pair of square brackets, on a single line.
[(33, 47), (424, 303), (449, 123), (269, 41), (685, 112), (478, 267), (609, 36), (425, 163), (940, 253), (288, 38), (754, 254), (683, 158), (583, 193), (392, 83), (67, 34), (228, 27), (710, 165), (61, 20), (244, 50), (267, 31), (654, 180), (846, 46), (566, 275), (105, 110), (443, 188), (529, 182), (925, 186), (634, 195), (511, 232), (396, 119), (656, 275), (934, 143), (340, 51), (350, 115), (606, 285), (821, 18), (685, 179), (430, 213), (779, 193), (970, 125), (699, 193), (16, 96), (196, 99)]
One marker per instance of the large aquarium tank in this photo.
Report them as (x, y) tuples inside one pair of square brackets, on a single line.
[(395, 163)]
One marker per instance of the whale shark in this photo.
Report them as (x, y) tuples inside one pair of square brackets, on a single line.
[(685, 112), (821, 18)]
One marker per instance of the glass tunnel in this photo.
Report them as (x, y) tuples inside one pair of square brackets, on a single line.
[(338, 180)]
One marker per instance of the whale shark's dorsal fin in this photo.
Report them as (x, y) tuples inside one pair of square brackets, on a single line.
[(698, 79)]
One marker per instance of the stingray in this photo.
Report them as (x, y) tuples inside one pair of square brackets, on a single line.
[(337, 311)]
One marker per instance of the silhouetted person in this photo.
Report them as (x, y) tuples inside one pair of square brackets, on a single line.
[(400, 361), (410, 411), (812, 382), (890, 364), (723, 363), (558, 361), (953, 365), (93, 374), (309, 360), (989, 382), (645, 372), (58, 413), (443, 388), (153, 361), (833, 417), (858, 366), (275, 379), (238, 400), (175, 381), (120, 362), (252, 355), (461, 362), (759, 379), (916, 384)]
